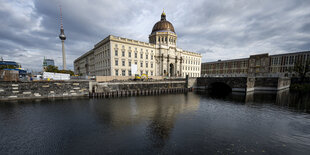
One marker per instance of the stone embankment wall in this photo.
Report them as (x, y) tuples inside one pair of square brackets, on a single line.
[(43, 89), (284, 83), (123, 78), (116, 89), (127, 86), (306, 80), (192, 82), (272, 83)]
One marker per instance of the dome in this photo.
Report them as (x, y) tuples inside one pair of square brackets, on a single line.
[(163, 25)]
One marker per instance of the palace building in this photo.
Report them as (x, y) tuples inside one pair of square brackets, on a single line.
[(113, 56), (280, 65)]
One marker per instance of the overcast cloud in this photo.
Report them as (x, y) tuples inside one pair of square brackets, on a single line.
[(222, 29)]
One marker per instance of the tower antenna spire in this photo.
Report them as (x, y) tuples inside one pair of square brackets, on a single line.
[(62, 37), (61, 26)]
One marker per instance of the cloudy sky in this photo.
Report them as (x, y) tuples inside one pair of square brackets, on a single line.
[(221, 29)]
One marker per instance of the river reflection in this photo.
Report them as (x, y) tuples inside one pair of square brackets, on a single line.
[(161, 112), (191, 123), (285, 98)]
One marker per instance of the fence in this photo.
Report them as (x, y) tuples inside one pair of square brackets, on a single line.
[(56, 76)]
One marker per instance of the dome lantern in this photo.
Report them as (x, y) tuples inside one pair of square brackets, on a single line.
[(163, 16)]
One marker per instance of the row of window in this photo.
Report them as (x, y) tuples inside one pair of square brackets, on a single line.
[(129, 48), (135, 55), (103, 63), (226, 65), (191, 68), (103, 54), (124, 72), (232, 71), (165, 39), (191, 74), (289, 60), (105, 72), (129, 63), (192, 62)]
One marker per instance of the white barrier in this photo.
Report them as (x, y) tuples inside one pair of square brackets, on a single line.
[(56, 76)]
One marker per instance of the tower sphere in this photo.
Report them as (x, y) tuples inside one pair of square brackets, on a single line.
[(62, 34)]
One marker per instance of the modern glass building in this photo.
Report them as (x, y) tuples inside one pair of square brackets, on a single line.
[(9, 64), (48, 62)]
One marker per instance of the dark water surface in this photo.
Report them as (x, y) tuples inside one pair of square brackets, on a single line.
[(193, 123)]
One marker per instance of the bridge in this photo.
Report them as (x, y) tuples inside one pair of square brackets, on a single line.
[(243, 84)]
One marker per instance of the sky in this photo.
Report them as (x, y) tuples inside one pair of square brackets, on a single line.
[(218, 29)]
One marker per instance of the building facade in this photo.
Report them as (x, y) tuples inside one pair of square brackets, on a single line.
[(113, 56), (48, 62), (9, 64), (280, 65)]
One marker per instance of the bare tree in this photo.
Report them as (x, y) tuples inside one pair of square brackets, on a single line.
[(302, 68)]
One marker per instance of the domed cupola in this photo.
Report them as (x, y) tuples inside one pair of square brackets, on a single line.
[(163, 25), (163, 32)]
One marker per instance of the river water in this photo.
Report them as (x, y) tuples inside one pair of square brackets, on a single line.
[(192, 123)]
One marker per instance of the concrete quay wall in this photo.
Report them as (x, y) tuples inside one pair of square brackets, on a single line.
[(272, 83), (43, 89), (127, 86), (65, 89), (118, 89)]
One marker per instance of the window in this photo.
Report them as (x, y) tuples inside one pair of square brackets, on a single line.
[(151, 73), (123, 72), (146, 56), (141, 55), (141, 64), (147, 72), (116, 62), (136, 62), (129, 54), (151, 57), (129, 63), (123, 62), (141, 72), (146, 64), (123, 53), (151, 65), (116, 52), (116, 72), (129, 72), (136, 55)]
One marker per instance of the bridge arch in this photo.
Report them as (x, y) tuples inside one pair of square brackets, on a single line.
[(220, 87)]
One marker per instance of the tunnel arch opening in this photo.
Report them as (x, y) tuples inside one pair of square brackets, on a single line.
[(219, 88)]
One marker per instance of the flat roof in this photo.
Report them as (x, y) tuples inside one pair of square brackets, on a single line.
[(301, 52)]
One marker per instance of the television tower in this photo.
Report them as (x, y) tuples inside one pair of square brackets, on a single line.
[(62, 37)]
